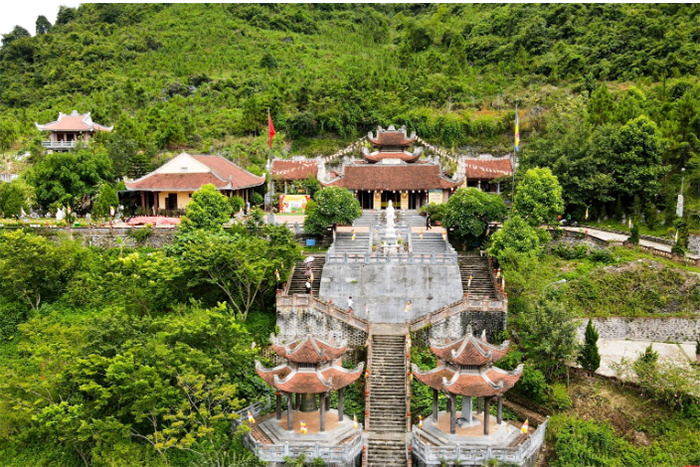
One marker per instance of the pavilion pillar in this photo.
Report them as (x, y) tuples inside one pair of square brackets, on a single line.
[(340, 405), (322, 412), (435, 405), (328, 402), (478, 185), (479, 405), (278, 407), (297, 402), (498, 188), (143, 200), (499, 414), (290, 419), (453, 413), (467, 408), (156, 201), (487, 403)]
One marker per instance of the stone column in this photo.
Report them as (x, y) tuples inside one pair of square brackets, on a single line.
[(435, 405), (499, 416), (340, 405), (290, 420), (278, 408), (498, 188), (479, 405), (467, 408), (453, 413), (322, 412), (487, 404)]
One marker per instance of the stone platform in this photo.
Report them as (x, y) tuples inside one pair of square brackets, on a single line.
[(438, 434), (336, 432)]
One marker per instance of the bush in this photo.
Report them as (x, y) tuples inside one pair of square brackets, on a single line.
[(532, 384), (559, 396), (257, 199), (436, 211), (570, 252), (634, 235), (604, 256), (237, 203)]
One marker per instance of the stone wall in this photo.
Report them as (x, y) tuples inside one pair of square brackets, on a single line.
[(694, 244), (646, 329), (299, 321), (571, 239), (386, 288), (110, 238), (454, 327)]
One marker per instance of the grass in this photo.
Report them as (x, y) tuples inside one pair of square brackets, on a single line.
[(660, 231)]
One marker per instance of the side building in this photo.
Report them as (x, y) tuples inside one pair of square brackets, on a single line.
[(69, 130)]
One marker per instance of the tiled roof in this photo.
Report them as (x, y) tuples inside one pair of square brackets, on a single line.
[(487, 169), (391, 137), (224, 175), (403, 155), (485, 382), (393, 177), (309, 380), (73, 122), (308, 349), (469, 350), (294, 170)]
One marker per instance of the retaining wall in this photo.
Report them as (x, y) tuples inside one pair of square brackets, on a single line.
[(645, 329)]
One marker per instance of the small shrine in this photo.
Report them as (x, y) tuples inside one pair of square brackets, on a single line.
[(313, 370), (70, 129)]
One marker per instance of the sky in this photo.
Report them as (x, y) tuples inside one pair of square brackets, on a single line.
[(25, 12)]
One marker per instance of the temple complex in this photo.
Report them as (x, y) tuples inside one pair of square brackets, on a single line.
[(170, 186), (70, 129), (312, 371)]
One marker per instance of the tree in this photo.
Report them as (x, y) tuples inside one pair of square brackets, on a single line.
[(549, 338), (69, 178), (601, 106), (634, 235), (516, 236), (590, 358), (14, 197), (17, 33), (333, 205), (9, 131), (538, 198), (207, 210), (469, 211), (106, 199), (42, 25)]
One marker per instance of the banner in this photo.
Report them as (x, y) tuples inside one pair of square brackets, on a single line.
[(293, 204), (435, 196)]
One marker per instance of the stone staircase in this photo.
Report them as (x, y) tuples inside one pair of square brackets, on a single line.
[(387, 405), (299, 279), (431, 243), (345, 244), (482, 285)]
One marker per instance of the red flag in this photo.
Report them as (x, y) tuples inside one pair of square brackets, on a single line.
[(271, 128)]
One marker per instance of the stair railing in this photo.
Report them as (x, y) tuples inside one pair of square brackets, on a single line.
[(368, 375), (408, 375)]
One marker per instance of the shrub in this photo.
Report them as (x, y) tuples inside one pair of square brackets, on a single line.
[(532, 384), (589, 358), (237, 203), (603, 255), (634, 235), (559, 396), (257, 199)]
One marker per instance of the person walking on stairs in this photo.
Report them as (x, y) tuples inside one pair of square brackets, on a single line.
[(427, 222), (308, 287), (349, 304)]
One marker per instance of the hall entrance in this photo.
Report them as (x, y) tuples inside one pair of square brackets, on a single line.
[(366, 199), (394, 196)]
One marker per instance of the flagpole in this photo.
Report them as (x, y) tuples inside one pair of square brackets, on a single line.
[(269, 160), (515, 150)]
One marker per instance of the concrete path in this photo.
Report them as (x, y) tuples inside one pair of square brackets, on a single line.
[(613, 350), (615, 237)]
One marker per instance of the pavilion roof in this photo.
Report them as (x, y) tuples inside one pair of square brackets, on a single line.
[(318, 379), (294, 169), (484, 382), (402, 155), (309, 349), (391, 137), (488, 169), (469, 350), (393, 177), (73, 122), (220, 172)]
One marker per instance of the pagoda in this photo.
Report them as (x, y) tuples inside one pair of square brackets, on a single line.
[(313, 368), (69, 129), (465, 368)]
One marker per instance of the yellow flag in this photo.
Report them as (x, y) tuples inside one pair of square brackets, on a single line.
[(354, 421), (304, 430), (523, 429), (250, 417)]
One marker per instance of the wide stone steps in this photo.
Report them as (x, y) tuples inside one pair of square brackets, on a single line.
[(386, 452), (297, 286), (387, 391), (345, 244)]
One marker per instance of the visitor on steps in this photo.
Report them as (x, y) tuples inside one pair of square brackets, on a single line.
[(308, 287), (427, 222), (349, 304)]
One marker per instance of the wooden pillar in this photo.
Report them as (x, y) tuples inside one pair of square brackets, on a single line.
[(143, 200), (453, 413), (328, 402), (340, 405), (156, 201), (499, 416), (290, 420), (278, 408), (498, 188), (467, 408), (297, 402), (435, 405), (479, 404), (322, 411), (487, 404)]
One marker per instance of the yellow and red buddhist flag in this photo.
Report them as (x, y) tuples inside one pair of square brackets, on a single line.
[(408, 307), (420, 234), (277, 274), (420, 421), (523, 429), (271, 128), (517, 129), (586, 213), (354, 422), (250, 417), (304, 430)]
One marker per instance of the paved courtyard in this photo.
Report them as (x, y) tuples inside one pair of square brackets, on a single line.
[(613, 350)]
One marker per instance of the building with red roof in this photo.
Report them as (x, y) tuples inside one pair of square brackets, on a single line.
[(170, 187), (482, 172), (70, 129)]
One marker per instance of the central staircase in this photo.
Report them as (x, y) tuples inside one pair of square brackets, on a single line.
[(345, 244), (387, 404), (477, 266)]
